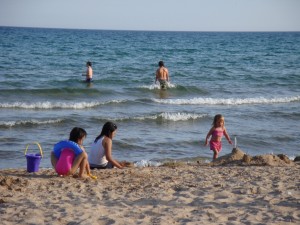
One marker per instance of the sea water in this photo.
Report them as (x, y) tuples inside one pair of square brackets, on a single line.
[(253, 79)]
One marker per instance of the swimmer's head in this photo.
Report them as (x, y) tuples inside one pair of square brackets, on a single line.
[(161, 63)]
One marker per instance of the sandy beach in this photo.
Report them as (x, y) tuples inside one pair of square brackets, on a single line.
[(232, 190)]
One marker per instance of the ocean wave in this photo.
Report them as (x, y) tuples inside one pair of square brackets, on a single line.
[(147, 163), (28, 122), (167, 117), (180, 116), (176, 88), (56, 105), (227, 101), (171, 162), (51, 91), (156, 86)]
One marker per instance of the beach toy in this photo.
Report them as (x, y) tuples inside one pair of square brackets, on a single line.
[(235, 142), (65, 161), (33, 160), (66, 144), (91, 176)]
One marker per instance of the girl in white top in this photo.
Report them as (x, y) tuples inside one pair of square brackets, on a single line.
[(100, 156)]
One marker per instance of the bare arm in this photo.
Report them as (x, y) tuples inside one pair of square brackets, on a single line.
[(227, 136), (208, 135), (156, 75), (108, 149), (53, 159), (167, 74)]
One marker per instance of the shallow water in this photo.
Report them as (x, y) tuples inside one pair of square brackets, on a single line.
[(253, 79)]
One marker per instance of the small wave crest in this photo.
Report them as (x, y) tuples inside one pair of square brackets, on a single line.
[(228, 101), (167, 117), (180, 116), (28, 122), (55, 105), (157, 86), (147, 163)]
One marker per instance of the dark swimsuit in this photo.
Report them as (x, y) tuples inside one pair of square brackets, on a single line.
[(163, 84), (109, 165)]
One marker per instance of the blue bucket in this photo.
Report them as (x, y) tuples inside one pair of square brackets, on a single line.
[(33, 160)]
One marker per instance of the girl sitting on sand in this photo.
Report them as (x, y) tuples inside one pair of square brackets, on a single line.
[(68, 156), (216, 133), (100, 156)]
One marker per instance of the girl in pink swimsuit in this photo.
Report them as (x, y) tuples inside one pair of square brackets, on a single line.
[(216, 132), (67, 156)]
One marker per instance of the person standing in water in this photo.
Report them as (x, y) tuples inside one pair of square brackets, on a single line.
[(89, 72), (162, 75)]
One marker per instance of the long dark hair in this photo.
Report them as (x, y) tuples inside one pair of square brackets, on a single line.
[(107, 129), (77, 133)]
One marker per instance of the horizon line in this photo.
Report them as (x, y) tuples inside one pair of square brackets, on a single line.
[(146, 30)]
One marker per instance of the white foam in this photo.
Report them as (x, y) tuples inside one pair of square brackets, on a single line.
[(55, 105), (227, 101), (169, 116), (146, 163), (150, 87), (180, 116), (170, 85), (157, 86), (25, 122)]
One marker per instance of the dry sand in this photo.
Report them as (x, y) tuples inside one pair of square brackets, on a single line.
[(235, 189)]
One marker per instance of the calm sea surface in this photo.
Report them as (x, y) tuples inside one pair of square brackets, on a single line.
[(253, 79)]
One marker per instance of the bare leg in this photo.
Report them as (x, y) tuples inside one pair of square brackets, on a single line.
[(82, 167), (53, 160), (88, 169), (79, 162), (216, 153)]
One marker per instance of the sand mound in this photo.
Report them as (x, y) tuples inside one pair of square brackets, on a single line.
[(11, 183), (238, 157)]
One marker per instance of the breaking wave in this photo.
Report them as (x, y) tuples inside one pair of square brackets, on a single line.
[(166, 116), (55, 105), (28, 122), (227, 101)]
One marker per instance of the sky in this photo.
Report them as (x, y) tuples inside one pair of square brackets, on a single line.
[(158, 15)]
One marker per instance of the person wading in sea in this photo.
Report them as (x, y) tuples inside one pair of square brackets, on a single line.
[(162, 75)]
